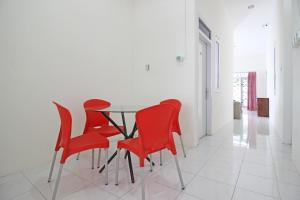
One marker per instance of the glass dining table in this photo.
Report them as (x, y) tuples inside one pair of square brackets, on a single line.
[(122, 110)]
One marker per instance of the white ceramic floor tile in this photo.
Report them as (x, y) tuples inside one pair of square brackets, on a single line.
[(263, 158), (242, 194), (10, 177), (289, 177), (153, 190), (289, 192), (39, 175), (229, 154), (124, 186), (257, 184), (69, 182), (14, 185), (211, 142), (90, 192), (184, 196), (263, 171), (188, 164), (202, 152), (233, 147), (209, 190), (286, 165), (169, 177), (277, 146), (82, 168), (32, 194), (233, 165), (223, 175)]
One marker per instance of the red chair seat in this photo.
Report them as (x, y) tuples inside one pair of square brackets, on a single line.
[(134, 145), (107, 131), (86, 142)]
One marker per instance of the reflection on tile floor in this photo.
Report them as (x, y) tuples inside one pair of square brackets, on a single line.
[(245, 160)]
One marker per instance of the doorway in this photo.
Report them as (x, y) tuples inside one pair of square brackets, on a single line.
[(240, 88), (204, 86)]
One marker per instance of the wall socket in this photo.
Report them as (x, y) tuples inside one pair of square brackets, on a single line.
[(147, 67)]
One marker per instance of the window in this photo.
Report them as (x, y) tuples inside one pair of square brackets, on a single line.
[(204, 29), (240, 88)]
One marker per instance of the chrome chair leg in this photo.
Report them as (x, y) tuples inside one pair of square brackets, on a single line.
[(160, 158), (57, 182), (52, 166), (184, 154), (93, 155), (99, 158), (179, 172), (117, 167), (151, 166), (77, 158), (143, 183), (106, 166)]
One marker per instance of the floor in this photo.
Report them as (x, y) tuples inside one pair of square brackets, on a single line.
[(244, 161)]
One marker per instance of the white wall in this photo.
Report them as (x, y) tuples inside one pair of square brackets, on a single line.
[(296, 83), (159, 36), (281, 99), (285, 101), (213, 13), (67, 51)]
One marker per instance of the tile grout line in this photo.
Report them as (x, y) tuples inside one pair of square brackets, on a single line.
[(196, 174), (276, 176), (33, 185), (127, 169), (134, 187), (239, 173), (180, 192), (22, 192)]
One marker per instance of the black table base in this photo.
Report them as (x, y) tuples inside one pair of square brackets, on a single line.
[(126, 136)]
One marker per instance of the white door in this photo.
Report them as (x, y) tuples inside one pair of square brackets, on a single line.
[(202, 89)]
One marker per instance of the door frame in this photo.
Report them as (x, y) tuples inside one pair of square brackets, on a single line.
[(204, 39)]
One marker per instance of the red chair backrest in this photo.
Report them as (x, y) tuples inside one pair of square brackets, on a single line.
[(177, 105), (154, 124), (94, 119), (65, 127)]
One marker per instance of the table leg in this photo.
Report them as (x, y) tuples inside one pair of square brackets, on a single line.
[(110, 159), (150, 161), (124, 122), (131, 136), (127, 152), (130, 167)]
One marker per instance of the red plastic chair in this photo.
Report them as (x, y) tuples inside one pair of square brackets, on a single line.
[(74, 145), (154, 127), (96, 122), (175, 126)]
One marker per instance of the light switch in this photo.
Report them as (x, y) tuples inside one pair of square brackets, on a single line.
[(147, 67), (180, 58)]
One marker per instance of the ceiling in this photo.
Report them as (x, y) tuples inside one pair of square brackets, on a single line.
[(249, 30), (238, 11)]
